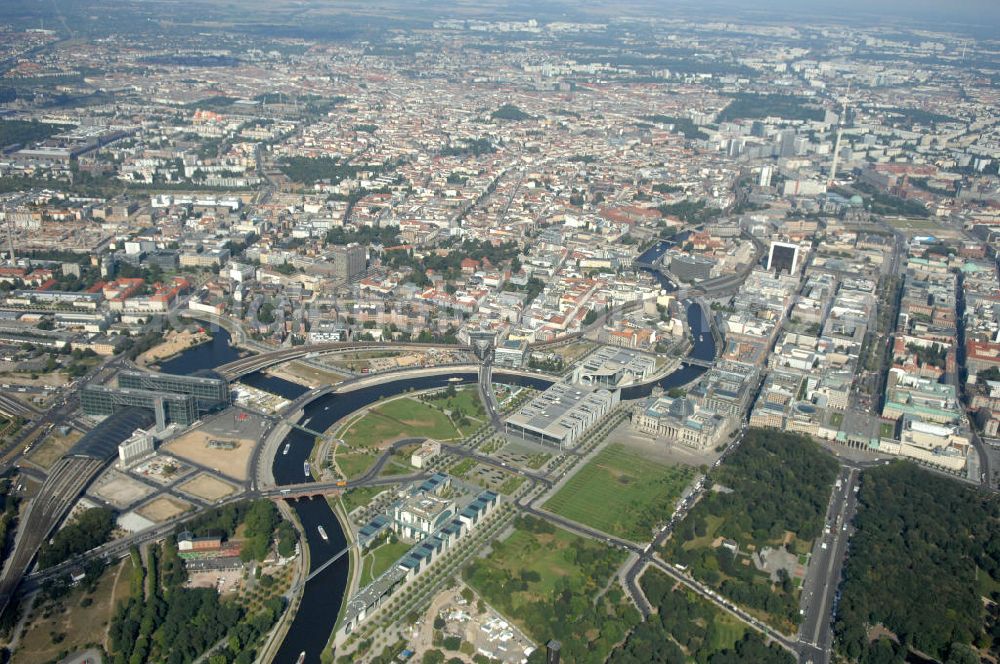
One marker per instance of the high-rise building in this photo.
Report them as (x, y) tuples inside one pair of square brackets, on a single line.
[(349, 262), (786, 143), (765, 176), (139, 446)]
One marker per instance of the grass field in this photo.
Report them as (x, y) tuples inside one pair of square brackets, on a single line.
[(52, 448), (549, 582), (396, 419), (379, 560), (47, 636), (354, 464), (913, 224), (465, 401), (542, 553), (621, 493), (355, 498)]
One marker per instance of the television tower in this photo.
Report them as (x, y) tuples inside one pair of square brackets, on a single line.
[(840, 132)]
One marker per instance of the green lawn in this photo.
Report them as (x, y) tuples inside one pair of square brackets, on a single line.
[(396, 419), (886, 430), (538, 460), (355, 498), (914, 224), (621, 493), (354, 464), (378, 560), (837, 419), (712, 523), (726, 631), (542, 553), (465, 401), (396, 467)]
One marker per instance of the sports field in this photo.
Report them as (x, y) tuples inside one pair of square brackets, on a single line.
[(397, 419), (621, 493)]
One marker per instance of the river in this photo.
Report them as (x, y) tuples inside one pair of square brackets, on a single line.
[(322, 596)]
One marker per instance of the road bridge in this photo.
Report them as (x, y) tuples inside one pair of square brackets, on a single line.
[(253, 363)]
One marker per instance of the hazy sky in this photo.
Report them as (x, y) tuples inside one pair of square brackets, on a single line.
[(982, 13)]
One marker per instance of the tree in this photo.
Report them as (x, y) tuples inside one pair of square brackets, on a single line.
[(433, 657), (90, 529)]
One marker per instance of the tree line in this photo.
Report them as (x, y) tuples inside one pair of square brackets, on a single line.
[(924, 565), (773, 484), (686, 628)]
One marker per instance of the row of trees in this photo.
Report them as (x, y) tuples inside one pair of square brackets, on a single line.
[(162, 621), (777, 483), (8, 513), (90, 529), (686, 628), (449, 265), (924, 563), (23, 131), (386, 236)]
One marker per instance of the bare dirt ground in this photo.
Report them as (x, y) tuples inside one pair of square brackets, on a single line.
[(55, 379), (163, 508), (488, 631), (119, 489), (52, 448), (194, 446), (299, 372), (224, 582), (173, 343), (207, 487)]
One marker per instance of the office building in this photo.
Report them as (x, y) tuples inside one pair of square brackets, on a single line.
[(210, 392), (611, 367), (140, 445), (349, 262), (101, 401), (783, 257), (691, 268), (561, 414)]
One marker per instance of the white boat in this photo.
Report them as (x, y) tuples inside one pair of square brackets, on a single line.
[(454, 379), (305, 469), (302, 657), (288, 446), (322, 533)]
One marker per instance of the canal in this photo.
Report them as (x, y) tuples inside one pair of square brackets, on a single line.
[(323, 595)]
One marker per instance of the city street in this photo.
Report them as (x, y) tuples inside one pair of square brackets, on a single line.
[(819, 590)]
